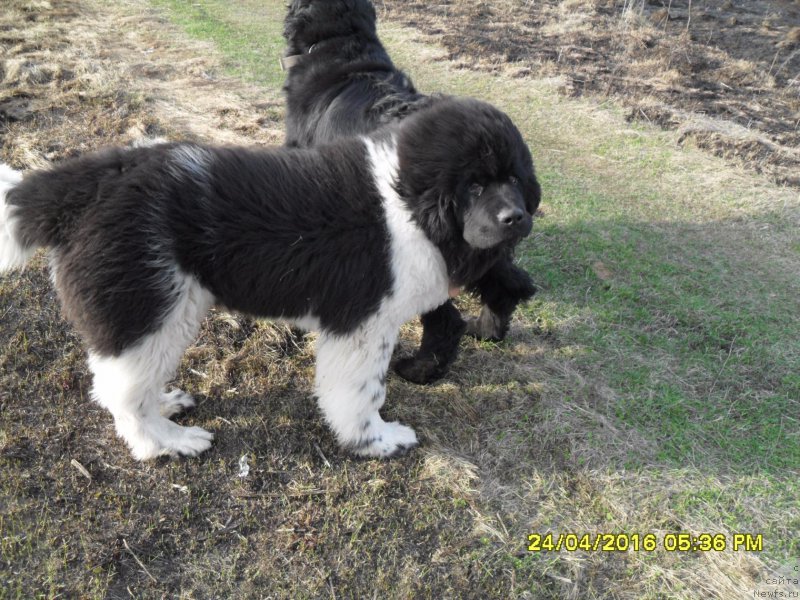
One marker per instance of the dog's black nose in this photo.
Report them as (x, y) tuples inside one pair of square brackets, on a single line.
[(510, 216)]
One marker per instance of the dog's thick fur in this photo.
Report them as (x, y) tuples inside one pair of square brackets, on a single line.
[(351, 239), (342, 83)]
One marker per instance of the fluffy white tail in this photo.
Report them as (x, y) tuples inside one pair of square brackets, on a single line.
[(12, 253)]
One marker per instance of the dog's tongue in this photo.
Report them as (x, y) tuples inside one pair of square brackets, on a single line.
[(454, 290)]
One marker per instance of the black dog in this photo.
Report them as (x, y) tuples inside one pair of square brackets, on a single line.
[(341, 82), (351, 238)]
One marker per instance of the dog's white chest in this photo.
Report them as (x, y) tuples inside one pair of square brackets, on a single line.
[(418, 267)]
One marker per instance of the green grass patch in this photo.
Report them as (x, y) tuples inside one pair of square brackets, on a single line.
[(247, 33)]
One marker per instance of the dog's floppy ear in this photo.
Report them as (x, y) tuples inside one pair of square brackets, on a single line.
[(435, 213), (531, 192), (430, 170)]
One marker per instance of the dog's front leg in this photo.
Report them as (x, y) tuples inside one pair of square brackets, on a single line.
[(502, 289), (351, 388), (442, 329)]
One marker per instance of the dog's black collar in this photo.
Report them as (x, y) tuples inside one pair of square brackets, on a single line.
[(287, 62)]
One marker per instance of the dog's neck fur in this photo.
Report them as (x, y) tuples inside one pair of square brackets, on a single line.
[(464, 264)]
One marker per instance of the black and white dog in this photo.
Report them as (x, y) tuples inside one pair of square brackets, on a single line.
[(341, 82), (351, 239)]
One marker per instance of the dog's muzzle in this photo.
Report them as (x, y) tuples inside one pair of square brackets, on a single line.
[(498, 217)]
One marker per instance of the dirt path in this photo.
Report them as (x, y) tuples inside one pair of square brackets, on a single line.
[(725, 74), (72, 80)]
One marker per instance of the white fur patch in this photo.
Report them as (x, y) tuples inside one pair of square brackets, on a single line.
[(12, 253), (351, 388), (420, 273), (351, 369), (9, 175), (131, 385)]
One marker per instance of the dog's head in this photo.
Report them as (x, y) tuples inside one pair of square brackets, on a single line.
[(310, 23), (467, 175)]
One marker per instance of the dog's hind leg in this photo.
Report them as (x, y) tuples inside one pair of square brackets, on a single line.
[(351, 388), (131, 385)]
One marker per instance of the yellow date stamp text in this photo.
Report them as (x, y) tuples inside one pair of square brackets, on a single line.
[(645, 542)]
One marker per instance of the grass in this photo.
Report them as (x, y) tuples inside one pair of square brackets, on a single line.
[(249, 52), (651, 386)]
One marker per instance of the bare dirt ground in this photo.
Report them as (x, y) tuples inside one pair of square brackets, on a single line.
[(725, 74)]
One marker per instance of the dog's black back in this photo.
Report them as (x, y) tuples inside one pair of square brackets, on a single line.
[(120, 222), (350, 86)]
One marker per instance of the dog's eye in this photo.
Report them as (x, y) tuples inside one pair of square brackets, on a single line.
[(476, 189), (513, 180)]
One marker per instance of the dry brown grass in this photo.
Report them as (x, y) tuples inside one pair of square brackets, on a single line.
[(69, 84), (718, 66)]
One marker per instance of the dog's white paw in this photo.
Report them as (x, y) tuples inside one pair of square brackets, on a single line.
[(386, 440), (158, 436), (174, 402), (190, 442)]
